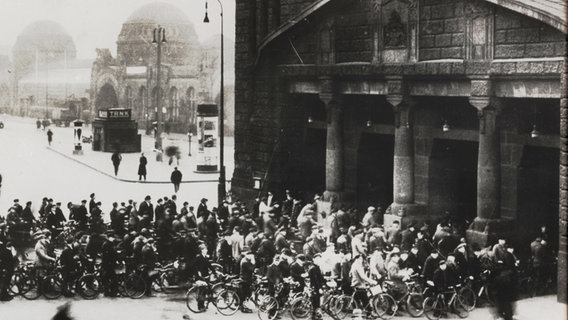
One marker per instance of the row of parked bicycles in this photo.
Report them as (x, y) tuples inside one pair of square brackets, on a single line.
[(382, 301)]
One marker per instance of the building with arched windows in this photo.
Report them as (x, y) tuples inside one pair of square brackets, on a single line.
[(188, 70)]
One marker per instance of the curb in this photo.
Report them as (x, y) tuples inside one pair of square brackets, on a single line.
[(127, 180)]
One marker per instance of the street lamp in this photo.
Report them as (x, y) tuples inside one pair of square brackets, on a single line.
[(159, 38), (221, 187)]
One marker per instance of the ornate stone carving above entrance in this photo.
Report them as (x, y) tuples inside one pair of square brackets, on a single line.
[(396, 34)]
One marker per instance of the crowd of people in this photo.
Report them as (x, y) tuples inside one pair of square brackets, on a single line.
[(276, 238)]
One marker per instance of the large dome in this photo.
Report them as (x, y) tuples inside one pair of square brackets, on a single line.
[(136, 35), (45, 39)]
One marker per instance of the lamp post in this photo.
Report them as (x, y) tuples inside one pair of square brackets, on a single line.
[(221, 187), (159, 38)]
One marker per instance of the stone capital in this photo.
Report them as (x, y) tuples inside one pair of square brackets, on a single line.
[(480, 103)]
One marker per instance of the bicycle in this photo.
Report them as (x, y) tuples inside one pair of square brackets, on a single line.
[(197, 298), (439, 305), (379, 303), (298, 303), (412, 299)]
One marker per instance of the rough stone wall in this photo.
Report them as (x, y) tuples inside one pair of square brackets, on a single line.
[(517, 36), (442, 29), (353, 35), (290, 8)]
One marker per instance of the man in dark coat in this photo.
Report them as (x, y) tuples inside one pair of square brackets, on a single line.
[(504, 284), (175, 178), (430, 266), (247, 278), (146, 209), (116, 158), (109, 259), (202, 210), (92, 202), (316, 283), (81, 215), (69, 266), (49, 136), (142, 167), (159, 210), (6, 269)]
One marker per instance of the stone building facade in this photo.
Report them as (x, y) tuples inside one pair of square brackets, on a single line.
[(428, 107), (188, 70)]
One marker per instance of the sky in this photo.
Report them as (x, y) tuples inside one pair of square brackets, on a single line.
[(96, 23)]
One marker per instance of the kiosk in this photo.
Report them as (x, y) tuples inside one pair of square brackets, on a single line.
[(114, 130), (208, 151), (77, 133)]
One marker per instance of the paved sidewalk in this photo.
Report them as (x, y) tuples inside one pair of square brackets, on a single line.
[(538, 308), (158, 172)]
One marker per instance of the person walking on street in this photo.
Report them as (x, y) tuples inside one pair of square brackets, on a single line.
[(116, 159), (49, 136), (176, 179), (142, 167)]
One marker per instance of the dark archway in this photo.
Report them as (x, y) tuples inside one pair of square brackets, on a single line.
[(453, 179), (537, 192), (375, 170), (106, 98)]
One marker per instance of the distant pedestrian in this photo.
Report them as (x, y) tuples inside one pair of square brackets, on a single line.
[(49, 136), (38, 124), (142, 167), (116, 159), (176, 179)]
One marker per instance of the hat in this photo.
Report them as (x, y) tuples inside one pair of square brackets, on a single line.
[(83, 201), (371, 208), (442, 262), (147, 198), (92, 195), (301, 256), (16, 200), (287, 251), (204, 200)]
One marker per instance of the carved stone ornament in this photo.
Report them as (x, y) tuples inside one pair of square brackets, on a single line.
[(395, 31)]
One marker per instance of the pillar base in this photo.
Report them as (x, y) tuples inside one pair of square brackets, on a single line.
[(406, 214), (485, 232)]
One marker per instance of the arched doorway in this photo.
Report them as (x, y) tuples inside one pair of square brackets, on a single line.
[(375, 170), (106, 98), (453, 179), (537, 192)]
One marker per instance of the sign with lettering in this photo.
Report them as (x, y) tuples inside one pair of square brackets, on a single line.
[(115, 114)]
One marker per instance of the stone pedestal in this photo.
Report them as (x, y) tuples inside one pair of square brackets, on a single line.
[(484, 232), (78, 150)]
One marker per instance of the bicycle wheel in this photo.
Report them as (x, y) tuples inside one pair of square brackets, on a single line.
[(384, 305), (51, 287), (169, 283), (467, 298), (30, 288), (267, 308), (196, 296), (134, 286), (88, 286), (227, 302), (344, 306), (414, 303), (301, 308), (259, 294), (433, 308), (16, 281), (459, 307)]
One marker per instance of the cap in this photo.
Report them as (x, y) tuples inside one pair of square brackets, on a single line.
[(147, 198), (371, 208), (442, 262)]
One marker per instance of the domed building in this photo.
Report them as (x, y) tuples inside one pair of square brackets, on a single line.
[(47, 74), (42, 42), (129, 80)]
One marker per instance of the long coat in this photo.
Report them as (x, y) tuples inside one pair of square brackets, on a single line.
[(142, 166)]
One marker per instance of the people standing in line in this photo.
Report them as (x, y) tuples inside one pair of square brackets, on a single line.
[(175, 178), (142, 167), (49, 136), (116, 159)]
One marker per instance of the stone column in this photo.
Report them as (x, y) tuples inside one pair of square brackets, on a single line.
[(489, 166), (334, 180), (488, 224), (403, 171)]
